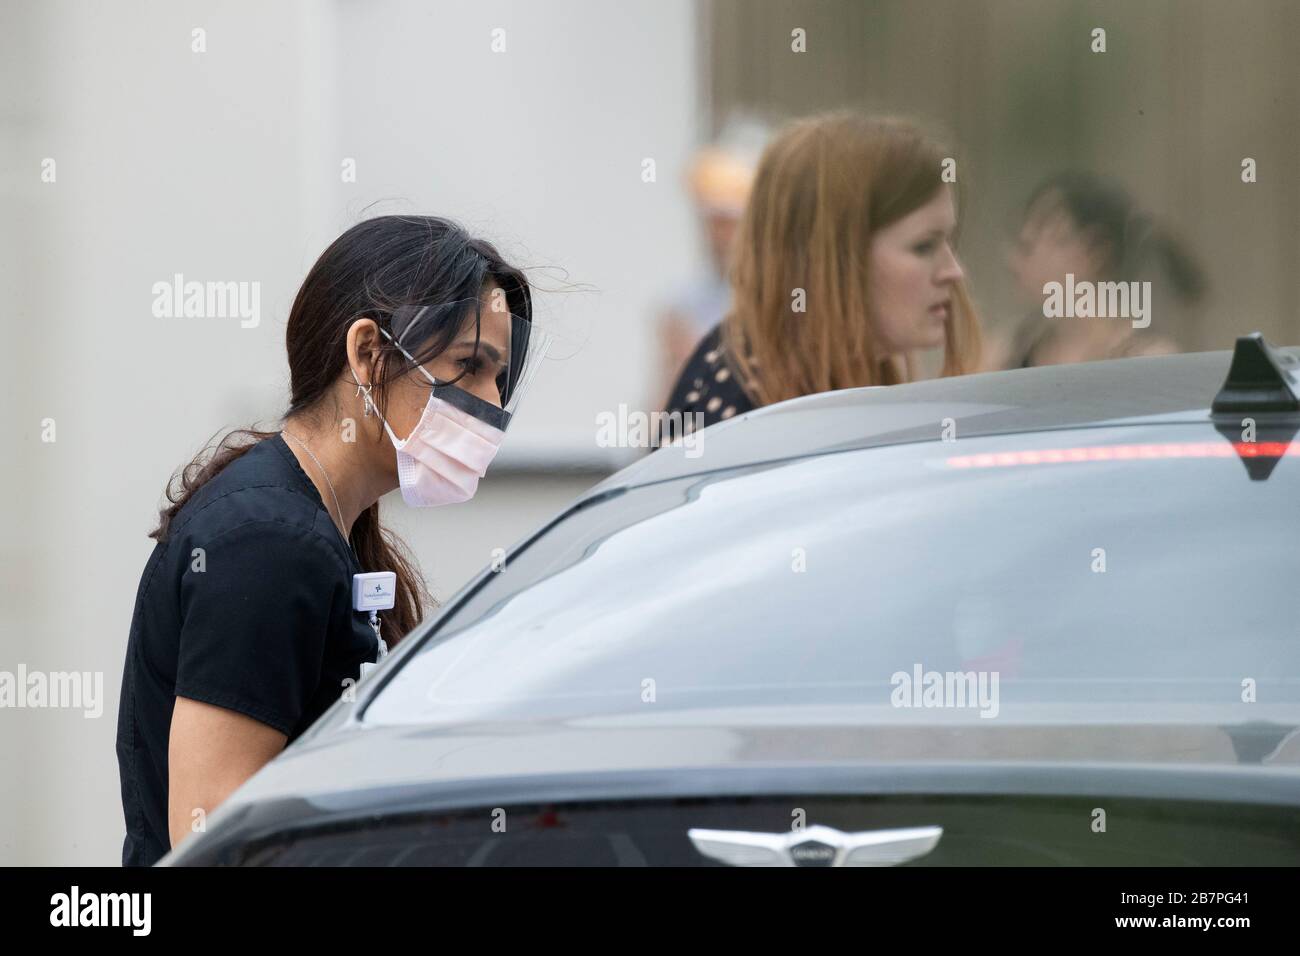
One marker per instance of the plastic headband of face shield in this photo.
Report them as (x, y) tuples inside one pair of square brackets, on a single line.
[(505, 345)]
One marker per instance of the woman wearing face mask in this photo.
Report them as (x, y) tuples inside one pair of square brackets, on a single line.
[(844, 270), (409, 345)]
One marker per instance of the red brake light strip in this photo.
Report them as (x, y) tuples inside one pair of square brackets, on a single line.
[(1060, 456)]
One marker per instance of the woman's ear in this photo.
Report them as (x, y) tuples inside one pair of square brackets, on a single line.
[(363, 350)]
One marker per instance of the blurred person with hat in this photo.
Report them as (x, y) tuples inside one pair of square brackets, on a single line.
[(720, 177)]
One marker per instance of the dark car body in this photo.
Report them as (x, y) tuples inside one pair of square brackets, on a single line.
[(710, 646)]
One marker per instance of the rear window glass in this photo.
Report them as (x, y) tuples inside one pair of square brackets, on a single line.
[(1137, 571)]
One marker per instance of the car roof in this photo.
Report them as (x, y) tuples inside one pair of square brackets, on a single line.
[(1146, 390)]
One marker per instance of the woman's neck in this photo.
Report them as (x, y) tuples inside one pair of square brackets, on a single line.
[(339, 469)]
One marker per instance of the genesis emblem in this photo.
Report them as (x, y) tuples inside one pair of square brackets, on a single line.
[(816, 846)]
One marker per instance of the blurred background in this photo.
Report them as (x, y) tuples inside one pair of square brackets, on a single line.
[(531, 121)]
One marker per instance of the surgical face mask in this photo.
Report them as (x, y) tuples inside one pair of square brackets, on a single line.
[(447, 452), (457, 436)]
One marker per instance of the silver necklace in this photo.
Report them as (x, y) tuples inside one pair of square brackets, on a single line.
[(330, 485), (374, 616)]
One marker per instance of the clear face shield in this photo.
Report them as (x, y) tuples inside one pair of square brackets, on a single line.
[(487, 367)]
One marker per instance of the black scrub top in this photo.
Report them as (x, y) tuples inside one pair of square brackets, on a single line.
[(247, 605)]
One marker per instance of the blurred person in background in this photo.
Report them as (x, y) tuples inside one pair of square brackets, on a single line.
[(844, 270), (407, 345), (1088, 226), (719, 179)]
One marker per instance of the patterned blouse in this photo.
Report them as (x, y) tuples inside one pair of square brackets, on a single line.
[(709, 384)]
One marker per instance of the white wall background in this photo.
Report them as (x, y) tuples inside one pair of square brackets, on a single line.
[(225, 166)]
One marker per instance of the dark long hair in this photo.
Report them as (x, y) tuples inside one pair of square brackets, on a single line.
[(388, 269), (1136, 245)]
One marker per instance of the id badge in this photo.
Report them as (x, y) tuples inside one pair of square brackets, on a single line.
[(374, 592)]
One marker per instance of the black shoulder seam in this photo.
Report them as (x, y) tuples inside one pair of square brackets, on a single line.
[(310, 532), (234, 491)]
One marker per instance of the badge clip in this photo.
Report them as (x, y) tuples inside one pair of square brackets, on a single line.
[(374, 591)]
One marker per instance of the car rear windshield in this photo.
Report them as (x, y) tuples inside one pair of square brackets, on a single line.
[(1143, 570)]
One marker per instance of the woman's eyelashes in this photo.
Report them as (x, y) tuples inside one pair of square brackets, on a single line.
[(930, 244), (468, 367), (475, 368)]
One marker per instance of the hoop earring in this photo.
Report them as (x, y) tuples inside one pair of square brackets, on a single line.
[(369, 404)]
